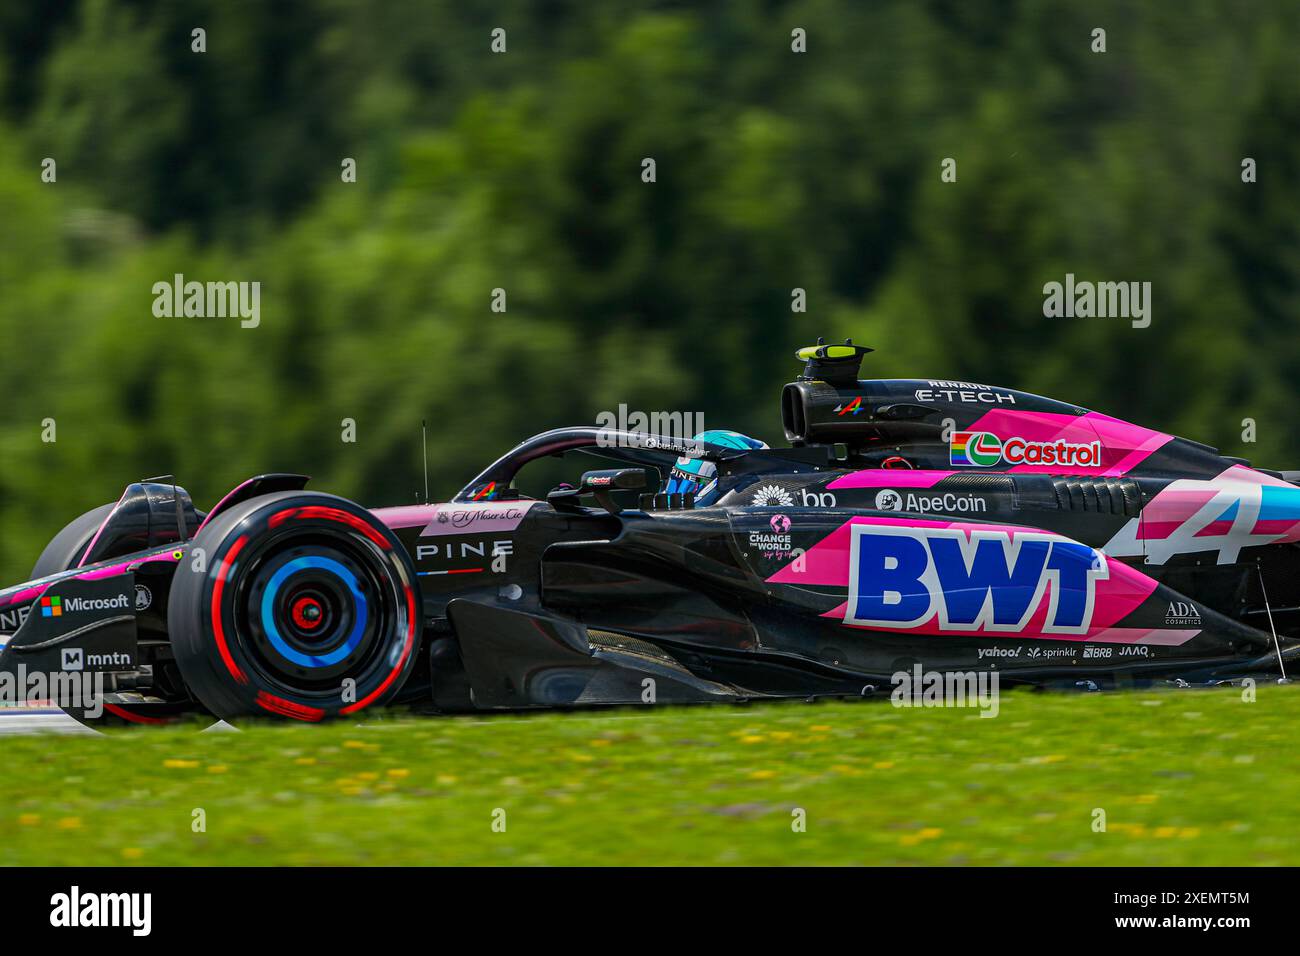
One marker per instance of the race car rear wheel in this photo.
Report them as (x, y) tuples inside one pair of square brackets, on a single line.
[(295, 604)]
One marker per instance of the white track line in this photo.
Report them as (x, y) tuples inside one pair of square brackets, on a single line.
[(38, 720)]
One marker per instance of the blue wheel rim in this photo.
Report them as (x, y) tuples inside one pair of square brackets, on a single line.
[(361, 609)]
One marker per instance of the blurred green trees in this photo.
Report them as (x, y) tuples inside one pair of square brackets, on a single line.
[(522, 171)]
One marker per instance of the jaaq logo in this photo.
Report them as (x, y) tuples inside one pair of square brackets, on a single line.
[(902, 577), (984, 449)]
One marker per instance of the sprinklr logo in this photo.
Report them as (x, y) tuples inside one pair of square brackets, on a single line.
[(74, 909)]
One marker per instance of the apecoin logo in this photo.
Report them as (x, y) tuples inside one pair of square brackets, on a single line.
[(889, 500)]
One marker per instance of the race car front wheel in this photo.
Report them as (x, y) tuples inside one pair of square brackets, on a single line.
[(294, 604)]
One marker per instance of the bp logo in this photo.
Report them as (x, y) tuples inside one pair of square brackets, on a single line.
[(770, 496), (983, 449), (889, 500)]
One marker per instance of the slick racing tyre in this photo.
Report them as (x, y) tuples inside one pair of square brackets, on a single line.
[(296, 605), (67, 547)]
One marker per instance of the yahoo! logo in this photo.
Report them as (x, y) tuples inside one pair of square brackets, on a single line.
[(901, 577)]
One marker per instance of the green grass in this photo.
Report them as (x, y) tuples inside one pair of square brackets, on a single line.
[(1184, 777)]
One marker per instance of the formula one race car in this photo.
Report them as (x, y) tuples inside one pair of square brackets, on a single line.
[(951, 525)]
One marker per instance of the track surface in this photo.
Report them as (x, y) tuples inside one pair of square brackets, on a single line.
[(37, 720)]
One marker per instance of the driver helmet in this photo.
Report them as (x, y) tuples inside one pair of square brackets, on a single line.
[(695, 476)]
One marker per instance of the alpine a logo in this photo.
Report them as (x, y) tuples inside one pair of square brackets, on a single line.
[(902, 577), (984, 450)]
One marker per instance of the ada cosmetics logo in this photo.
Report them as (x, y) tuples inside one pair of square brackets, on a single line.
[(775, 543), (1182, 613)]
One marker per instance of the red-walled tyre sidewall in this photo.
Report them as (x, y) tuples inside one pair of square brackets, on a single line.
[(227, 618)]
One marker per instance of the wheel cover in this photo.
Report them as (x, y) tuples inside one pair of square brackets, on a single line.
[(300, 600), (310, 611)]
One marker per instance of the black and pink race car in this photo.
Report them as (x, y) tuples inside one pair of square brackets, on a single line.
[(955, 526)]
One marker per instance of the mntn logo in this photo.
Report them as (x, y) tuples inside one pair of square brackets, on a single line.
[(900, 577)]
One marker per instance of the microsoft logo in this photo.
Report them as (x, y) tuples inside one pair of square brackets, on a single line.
[(55, 606)]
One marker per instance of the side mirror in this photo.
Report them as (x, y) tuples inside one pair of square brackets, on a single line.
[(599, 484), (620, 479)]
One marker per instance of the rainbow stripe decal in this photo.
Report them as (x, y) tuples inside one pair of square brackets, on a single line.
[(983, 449)]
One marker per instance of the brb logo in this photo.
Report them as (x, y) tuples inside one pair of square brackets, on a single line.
[(901, 577)]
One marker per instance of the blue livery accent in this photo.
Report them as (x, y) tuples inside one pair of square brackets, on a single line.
[(273, 633)]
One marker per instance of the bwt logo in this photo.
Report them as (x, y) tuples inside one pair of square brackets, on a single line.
[(901, 577)]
